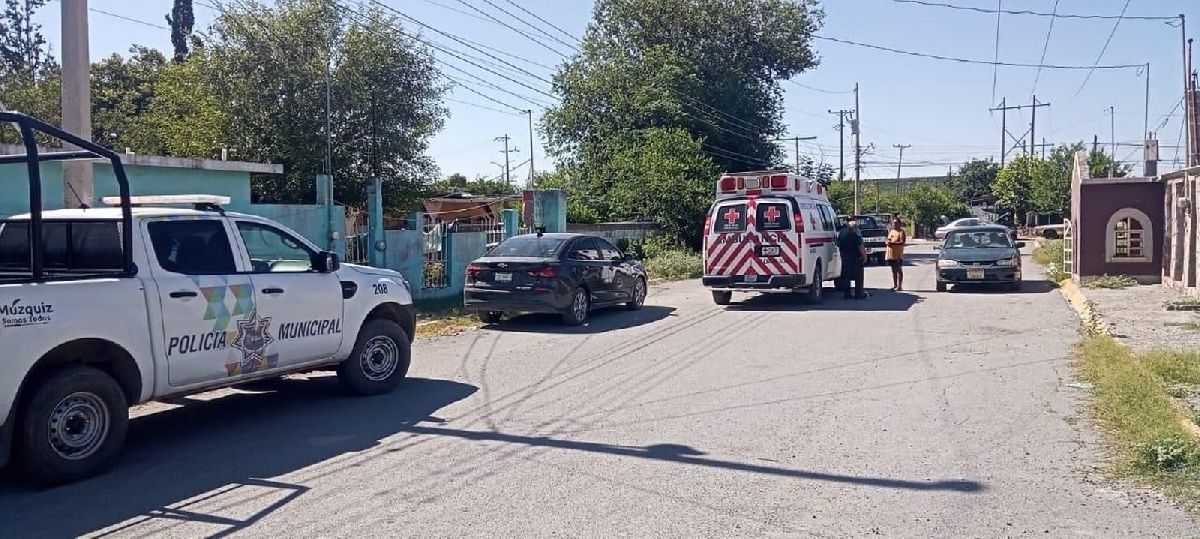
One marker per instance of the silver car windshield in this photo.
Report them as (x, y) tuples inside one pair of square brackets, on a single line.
[(979, 239)]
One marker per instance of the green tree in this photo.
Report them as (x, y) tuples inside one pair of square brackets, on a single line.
[(23, 50), (182, 20), (653, 70), (187, 115), (924, 204), (266, 65), (122, 92), (1015, 183), (974, 179)]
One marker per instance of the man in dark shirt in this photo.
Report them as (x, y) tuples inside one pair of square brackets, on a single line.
[(854, 256)]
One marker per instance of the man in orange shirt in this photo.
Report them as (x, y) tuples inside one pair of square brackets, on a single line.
[(894, 254)]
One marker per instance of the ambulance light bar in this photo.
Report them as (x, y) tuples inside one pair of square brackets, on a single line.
[(754, 184)]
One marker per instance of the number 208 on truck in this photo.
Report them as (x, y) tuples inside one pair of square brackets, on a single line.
[(770, 231)]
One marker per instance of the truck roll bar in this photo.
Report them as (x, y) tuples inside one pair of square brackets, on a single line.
[(28, 126)]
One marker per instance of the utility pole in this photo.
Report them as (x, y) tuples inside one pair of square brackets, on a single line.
[(901, 147), (841, 141), (1187, 94), (855, 126), (1005, 135), (795, 140), (507, 171), (1146, 114), (1112, 133), (531, 149), (78, 188)]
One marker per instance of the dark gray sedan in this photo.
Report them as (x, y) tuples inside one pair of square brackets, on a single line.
[(568, 274), (979, 254)]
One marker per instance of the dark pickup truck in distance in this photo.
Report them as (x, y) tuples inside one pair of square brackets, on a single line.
[(874, 234)]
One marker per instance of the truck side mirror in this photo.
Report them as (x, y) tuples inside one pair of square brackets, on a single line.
[(325, 262)]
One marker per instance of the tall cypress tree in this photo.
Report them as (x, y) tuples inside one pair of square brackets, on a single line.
[(181, 20)]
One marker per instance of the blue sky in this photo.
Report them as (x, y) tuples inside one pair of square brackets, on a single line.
[(939, 107)]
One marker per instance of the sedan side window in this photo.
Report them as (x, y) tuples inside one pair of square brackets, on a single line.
[(607, 250), (585, 250), (271, 250)]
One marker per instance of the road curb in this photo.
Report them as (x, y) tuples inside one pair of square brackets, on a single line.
[(1087, 313)]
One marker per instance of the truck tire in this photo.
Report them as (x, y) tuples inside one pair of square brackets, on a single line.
[(72, 426), (941, 286), (722, 297), (576, 314), (379, 361)]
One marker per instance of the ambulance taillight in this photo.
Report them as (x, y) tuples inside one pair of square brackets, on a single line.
[(798, 219), (779, 181), (728, 184)]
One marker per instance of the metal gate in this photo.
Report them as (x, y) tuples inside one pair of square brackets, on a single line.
[(358, 239), (434, 242), (1068, 251)]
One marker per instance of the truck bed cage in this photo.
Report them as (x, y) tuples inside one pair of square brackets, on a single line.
[(28, 127)]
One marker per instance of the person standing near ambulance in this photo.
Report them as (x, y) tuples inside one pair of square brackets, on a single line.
[(854, 257), (894, 254)]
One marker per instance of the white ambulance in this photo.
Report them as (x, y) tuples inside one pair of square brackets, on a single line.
[(770, 231)]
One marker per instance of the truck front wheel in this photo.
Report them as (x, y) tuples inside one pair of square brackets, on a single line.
[(379, 361), (72, 426)]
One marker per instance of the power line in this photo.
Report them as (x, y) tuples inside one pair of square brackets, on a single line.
[(130, 19), (821, 90), (1102, 49), (544, 21), (1045, 47), (478, 106), (1055, 15), (996, 56), (531, 25), (972, 61), (511, 27)]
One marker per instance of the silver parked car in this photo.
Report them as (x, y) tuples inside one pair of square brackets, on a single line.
[(941, 232)]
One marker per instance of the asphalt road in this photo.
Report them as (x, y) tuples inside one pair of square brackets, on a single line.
[(907, 414)]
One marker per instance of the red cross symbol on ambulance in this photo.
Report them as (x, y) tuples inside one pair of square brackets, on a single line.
[(772, 214), (732, 216)]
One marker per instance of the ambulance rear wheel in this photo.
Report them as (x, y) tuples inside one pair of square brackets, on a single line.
[(815, 290), (722, 297)]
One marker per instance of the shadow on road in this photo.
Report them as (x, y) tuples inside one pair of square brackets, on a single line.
[(683, 454), (1027, 287), (239, 439), (880, 300), (598, 322)]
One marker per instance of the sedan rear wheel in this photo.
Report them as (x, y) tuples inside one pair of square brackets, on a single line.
[(490, 317), (577, 313)]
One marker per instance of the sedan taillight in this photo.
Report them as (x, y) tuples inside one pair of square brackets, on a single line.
[(473, 271), (547, 272)]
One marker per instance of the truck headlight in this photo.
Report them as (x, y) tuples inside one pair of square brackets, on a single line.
[(1008, 262), (942, 264)]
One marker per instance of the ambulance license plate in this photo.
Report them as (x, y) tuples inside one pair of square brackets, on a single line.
[(503, 277), (750, 278), (768, 250), (975, 275)]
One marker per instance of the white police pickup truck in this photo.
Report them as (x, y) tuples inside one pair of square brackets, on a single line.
[(123, 305)]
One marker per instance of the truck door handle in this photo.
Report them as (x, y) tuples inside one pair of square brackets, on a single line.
[(272, 291), (183, 294)]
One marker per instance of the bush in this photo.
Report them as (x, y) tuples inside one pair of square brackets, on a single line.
[(1167, 453), (1049, 253), (675, 265)]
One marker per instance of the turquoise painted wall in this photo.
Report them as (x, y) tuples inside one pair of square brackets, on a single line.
[(14, 188), (308, 221), (14, 193), (406, 254)]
